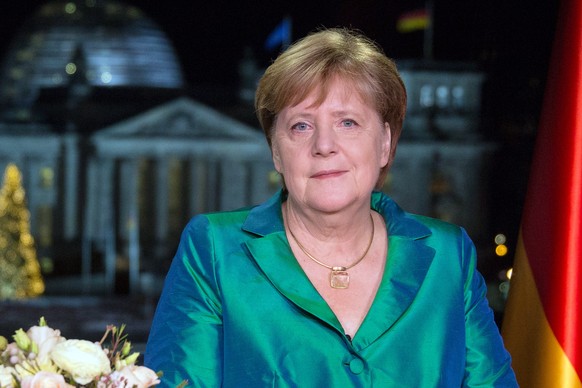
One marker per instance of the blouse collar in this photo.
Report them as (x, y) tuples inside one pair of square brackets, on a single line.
[(408, 261)]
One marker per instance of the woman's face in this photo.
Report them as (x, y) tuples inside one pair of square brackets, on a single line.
[(331, 154)]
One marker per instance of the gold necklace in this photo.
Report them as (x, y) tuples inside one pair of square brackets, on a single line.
[(339, 277)]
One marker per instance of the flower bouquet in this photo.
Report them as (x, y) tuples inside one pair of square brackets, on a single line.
[(41, 357)]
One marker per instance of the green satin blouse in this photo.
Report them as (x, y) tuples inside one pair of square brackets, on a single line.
[(237, 310)]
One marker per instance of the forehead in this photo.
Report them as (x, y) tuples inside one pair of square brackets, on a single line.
[(336, 90)]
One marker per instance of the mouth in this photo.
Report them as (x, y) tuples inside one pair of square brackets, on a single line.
[(327, 174)]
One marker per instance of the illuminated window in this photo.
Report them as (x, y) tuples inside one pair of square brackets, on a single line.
[(458, 95), (426, 96), (177, 198), (47, 176), (44, 214), (442, 96)]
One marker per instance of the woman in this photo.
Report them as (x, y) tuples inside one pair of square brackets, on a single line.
[(329, 283)]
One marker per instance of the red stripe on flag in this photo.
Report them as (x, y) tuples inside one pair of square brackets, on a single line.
[(415, 14), (552, 216)]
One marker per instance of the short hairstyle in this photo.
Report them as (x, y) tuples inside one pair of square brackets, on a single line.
[(315, 60)]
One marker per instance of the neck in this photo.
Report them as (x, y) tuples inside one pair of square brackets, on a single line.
[(330, 236), (328, 226)]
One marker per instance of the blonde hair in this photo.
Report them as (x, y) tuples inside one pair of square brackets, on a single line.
[(315, 60)]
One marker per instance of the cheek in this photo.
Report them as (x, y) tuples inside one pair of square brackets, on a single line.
[(277, 156)]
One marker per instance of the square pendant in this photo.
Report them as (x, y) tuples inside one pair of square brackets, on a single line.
[(339, 279)]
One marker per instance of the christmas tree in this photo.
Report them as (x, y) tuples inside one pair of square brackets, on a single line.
[(20, 275)]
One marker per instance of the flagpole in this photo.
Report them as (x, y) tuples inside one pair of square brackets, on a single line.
[(429, 32)]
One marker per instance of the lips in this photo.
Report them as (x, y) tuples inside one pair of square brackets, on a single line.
[(328, 174)]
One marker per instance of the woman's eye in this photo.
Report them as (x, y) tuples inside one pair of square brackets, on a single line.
[(348, 123), (300, 127)]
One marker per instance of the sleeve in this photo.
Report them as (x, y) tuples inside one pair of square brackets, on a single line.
[(185, 339), (488, 364)]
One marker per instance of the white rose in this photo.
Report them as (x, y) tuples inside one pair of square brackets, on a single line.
[(45, 338), (135, 376), (45, 380), (83, 360), (6, 377)]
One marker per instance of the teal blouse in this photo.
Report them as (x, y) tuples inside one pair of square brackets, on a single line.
[(237, 310)]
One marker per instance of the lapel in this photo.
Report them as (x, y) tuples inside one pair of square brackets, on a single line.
[(408, 261), (275, 258), (407, 264)]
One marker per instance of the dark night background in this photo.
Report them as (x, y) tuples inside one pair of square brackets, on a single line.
[(510, 41)]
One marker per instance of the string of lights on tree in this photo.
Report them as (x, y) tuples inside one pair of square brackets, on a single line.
[(20, 273)]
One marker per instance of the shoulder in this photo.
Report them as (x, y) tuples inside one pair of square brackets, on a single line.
[(451, 244), (224, 218), (448, 238), (416, 226), (213, 227), (440, 228), (260, 219)]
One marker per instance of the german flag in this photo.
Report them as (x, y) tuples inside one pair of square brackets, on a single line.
[(542, 327), (418, 19)]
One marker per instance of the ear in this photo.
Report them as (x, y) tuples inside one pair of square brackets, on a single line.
[(276, 157), (386, 145)]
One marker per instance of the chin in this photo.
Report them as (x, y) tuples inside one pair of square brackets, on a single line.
[(330, 202)]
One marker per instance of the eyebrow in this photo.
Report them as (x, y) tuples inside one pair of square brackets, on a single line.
[(344, 112)]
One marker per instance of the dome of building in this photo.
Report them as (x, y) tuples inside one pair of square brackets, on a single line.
[(96, 43)]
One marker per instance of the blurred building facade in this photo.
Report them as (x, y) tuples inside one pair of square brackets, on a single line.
[(116, 157), (442, 163)]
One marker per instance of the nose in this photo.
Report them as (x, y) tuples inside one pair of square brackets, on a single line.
[(324, 141)]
